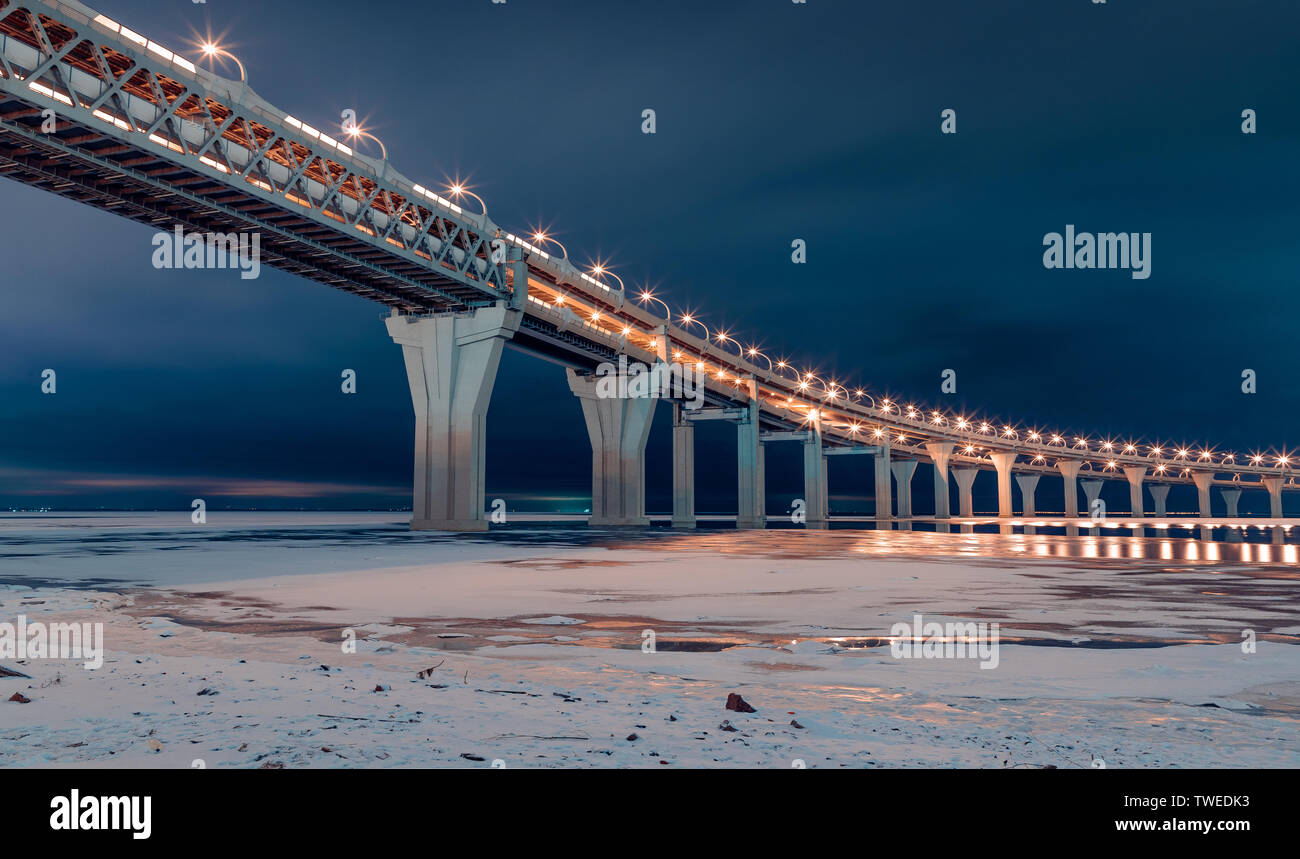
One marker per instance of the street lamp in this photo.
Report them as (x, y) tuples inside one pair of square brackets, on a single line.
[(212, 50), (540, 236), (647, 295), (599, 270), (354, 131), (458, 190)]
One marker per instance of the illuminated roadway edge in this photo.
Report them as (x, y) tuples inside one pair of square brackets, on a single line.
[(217, 158)]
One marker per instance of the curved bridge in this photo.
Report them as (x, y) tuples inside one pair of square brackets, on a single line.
[(144, 133)]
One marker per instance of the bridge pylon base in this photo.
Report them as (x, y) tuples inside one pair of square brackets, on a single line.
[(618, 427), (751, 488), (451, 367)]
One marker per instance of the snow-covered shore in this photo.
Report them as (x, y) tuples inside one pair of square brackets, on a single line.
[(531, 646)]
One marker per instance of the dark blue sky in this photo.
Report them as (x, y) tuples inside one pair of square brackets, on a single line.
[(775, 121)]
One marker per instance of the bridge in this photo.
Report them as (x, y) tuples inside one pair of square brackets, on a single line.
[(97, 112)]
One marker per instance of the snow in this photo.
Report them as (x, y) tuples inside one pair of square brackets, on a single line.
[(1136, 660)]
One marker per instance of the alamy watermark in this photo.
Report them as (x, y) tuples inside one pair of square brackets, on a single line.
[(951, 640), (37, 640), (637, 381), (133, 814), (179, 249), (1103, 250)]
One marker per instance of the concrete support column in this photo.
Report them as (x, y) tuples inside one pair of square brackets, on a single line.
[(903, 470), (1069, 469), (1203, 479), (826, 485), (814, 477), (618, 428), (451, 366), (751, 507), (1003, 462), (1230, 499), (1028, 486), (940, 452), (884, 490), (1091, 491), (965, 478), (1160, 494), (1135, 475), (683, 470), (1274, 487)]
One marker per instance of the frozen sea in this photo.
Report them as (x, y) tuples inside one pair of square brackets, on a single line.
[(320, 640)]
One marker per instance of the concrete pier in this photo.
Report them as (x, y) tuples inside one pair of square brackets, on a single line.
[(1003, 462), (1160, 495), (618, 428), (1092, 491), (1230, 499), (965, 478), (1135, 474), (884, 488), (1203, 481), (1069, 469), (751, 507), (940, 452), (814, 477), (1028, 486), (1274, 487), (451, 367), (903, 470), (683, 470)]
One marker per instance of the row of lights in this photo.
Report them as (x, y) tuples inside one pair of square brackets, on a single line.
[(831, 390)]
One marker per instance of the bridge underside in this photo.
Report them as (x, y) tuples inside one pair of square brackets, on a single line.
[(83, 164)]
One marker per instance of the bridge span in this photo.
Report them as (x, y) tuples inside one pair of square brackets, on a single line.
[(145, 133)]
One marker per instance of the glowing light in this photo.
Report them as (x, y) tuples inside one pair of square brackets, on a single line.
[(211, 50)]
